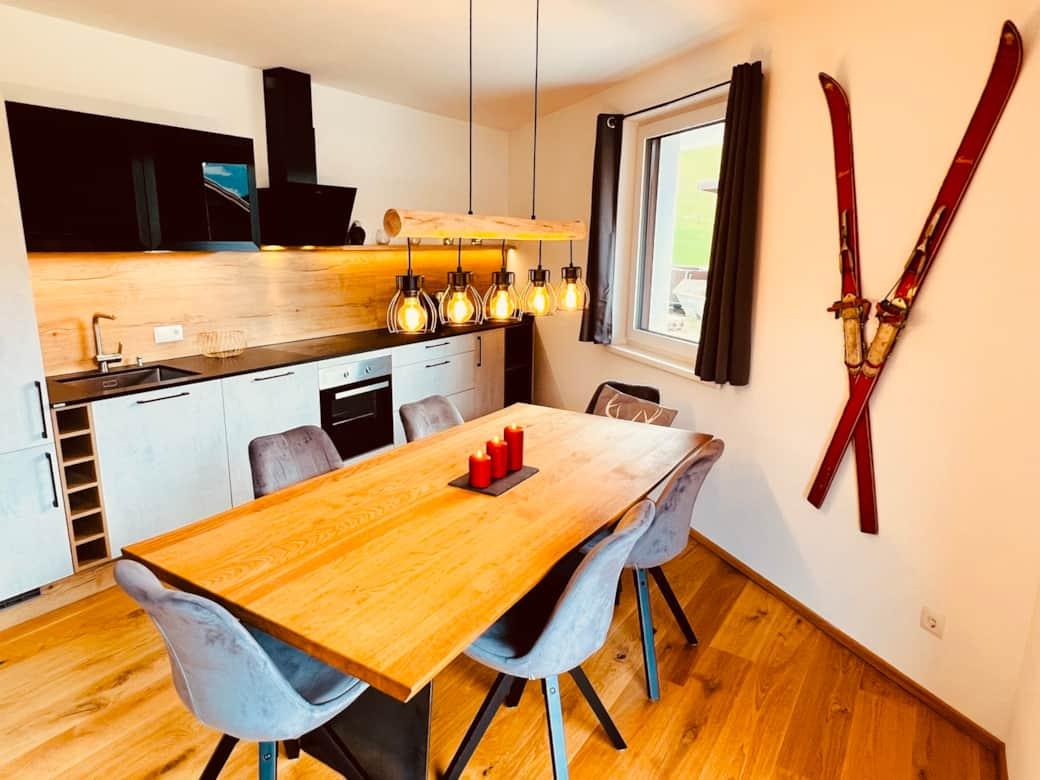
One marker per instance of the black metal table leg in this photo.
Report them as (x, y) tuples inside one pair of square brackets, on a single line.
[(383, 738)]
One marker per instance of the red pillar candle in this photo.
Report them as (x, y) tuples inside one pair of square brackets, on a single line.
[(479, 469), (514, 436), (499, 452)]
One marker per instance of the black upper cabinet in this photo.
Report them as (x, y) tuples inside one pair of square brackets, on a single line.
[(93, 183)]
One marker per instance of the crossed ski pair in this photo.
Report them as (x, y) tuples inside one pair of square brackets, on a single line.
[(865, 365)]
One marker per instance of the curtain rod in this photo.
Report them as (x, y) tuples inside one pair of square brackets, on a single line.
[(676, 100)]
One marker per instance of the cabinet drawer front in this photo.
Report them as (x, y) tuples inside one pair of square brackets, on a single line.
[(426, 351), (437, 376)]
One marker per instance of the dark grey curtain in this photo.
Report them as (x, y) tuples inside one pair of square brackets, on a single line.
[(597, 321), (724, 353)]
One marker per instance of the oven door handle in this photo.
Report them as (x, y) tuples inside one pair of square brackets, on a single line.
[(361, 390), (355, 418)]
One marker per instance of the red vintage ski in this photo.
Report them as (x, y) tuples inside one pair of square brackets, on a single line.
[(894, 310), (852, 309)]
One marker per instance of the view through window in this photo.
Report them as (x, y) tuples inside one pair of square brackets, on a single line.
[(680, 182)]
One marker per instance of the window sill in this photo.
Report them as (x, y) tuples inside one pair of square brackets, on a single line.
[(659, 362)]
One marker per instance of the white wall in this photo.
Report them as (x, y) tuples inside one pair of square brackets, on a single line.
[(395, 156), (1024, 740), (955, 423)]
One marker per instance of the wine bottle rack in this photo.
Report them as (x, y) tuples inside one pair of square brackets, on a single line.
[(81, 486)]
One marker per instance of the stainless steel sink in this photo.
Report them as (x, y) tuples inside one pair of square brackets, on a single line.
[(130, 377)]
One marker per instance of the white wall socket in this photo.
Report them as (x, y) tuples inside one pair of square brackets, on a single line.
[(165, 334), (933, 622)]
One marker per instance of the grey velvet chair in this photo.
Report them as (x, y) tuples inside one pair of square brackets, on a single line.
[(239, 680), (644, 392), (431, 415), (283, 459), (551, 632), (665, 540)]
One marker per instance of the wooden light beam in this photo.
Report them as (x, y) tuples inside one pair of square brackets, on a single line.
[(437, 224)]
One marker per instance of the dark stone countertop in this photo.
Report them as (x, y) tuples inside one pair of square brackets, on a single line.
[(254, 359)]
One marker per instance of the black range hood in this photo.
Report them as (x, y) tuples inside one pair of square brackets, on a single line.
[(295, 210)]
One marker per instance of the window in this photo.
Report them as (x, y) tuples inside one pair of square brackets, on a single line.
[(670, 176)]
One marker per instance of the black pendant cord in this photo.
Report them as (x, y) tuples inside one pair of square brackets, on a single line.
[(571, 264), (409, 241), (534, 144), (470, 111), (675, 100), (504, 268), (458, 264)]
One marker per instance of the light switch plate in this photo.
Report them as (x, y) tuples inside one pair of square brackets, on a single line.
[(165, 334)]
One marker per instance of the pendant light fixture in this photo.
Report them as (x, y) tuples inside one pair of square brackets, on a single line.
[(539, 298), (411, 310), (461, 304), (574, 293), (501, 302)]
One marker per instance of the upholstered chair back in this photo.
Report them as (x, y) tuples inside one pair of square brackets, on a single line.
[(283, 459), (431, 415), (579, 624), (219, 670), (670, 532)]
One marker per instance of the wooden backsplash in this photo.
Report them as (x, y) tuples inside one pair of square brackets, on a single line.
[(272, 296)]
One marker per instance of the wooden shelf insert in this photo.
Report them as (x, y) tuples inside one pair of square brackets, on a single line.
[(81, 485)]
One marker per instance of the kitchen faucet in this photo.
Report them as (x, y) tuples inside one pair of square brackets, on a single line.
[(99, 353)]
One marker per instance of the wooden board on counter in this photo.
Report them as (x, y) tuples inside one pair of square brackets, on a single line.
[(274, 296)]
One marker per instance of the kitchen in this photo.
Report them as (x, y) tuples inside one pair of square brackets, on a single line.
[(149, 338)]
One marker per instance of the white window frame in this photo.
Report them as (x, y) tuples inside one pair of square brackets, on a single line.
[(665, 352)]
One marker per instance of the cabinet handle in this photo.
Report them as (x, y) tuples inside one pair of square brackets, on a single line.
[(164, 398), (273, 376), (54, 485), (434, 365), (43, 411), (441, 344), (480, 351)]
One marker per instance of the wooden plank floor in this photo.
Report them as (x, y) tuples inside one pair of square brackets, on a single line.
[(85, 692)]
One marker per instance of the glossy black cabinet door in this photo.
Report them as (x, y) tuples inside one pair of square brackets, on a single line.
[(80, 181), (94, 183), (205, 190)]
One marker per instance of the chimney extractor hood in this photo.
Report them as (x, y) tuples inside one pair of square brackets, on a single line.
[(295, 210)]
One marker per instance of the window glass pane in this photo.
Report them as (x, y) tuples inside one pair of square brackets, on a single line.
[(679, 197)]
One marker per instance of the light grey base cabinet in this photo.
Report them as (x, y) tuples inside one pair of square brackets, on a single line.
[(163, 460), (35, 549), (264, 403)]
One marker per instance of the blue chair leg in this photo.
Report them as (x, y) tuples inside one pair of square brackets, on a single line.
[(646, 631), (267, 765), (554, 714)]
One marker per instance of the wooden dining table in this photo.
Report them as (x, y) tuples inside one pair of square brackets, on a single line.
[(384, 571)]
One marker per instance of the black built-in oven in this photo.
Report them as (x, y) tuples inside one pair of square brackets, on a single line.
[(357, 405)]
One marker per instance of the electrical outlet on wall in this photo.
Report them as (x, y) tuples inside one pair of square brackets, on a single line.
[(166, 334), (933, 622)]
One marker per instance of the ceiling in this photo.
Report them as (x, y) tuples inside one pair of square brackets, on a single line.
[(414, 53)]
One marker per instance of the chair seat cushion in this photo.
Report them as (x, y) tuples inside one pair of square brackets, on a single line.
[(514, 634), (314, 680)]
